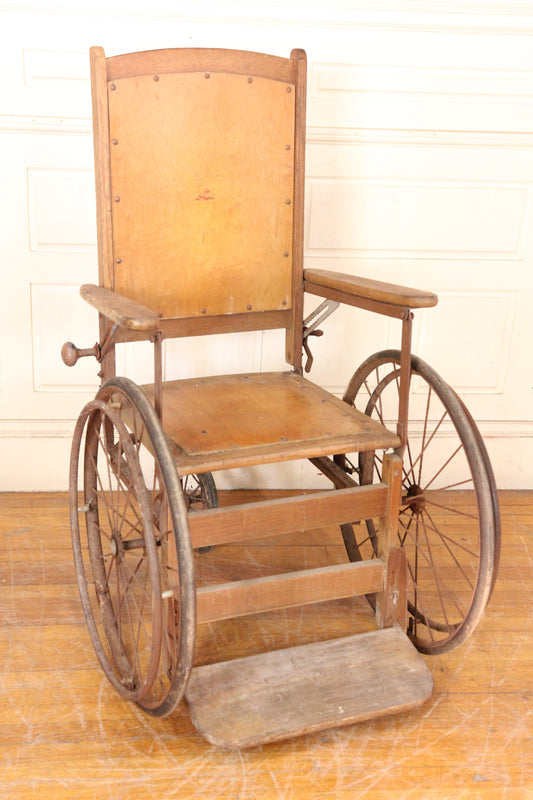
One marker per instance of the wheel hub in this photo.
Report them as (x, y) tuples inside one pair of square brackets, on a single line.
[(415, 499), (116, 544)]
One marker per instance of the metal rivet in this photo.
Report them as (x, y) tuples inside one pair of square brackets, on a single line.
[(118, 261), (250, 80), (287, 147), (288, 201), (286, 254), (204, 310), (113, 87), (289, 89), (283, 302), (249, 307), (207, 74), (115, 141), (156, 77), (117, 199)]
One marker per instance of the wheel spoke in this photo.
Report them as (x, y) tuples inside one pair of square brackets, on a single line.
[(446, 540), (452, 510), (418, 598), (103, 494), (138, 608), (406, 529), (459, 449), (423, 450), (125, 605), (435, 571), (426, 419)]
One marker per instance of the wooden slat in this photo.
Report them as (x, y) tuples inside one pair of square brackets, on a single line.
[(270, 697), (239, 598), (203, 326), (271, 517)]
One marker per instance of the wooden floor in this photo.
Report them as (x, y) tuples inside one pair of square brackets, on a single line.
[(65, 734)]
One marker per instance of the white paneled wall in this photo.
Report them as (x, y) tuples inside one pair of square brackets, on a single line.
[(419, 171)]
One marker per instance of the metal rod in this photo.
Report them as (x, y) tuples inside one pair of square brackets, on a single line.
[(405, 379), (107, 349), (157, 339), (108, 341)]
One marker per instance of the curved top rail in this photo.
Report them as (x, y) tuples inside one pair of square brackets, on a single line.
[(155, 62)]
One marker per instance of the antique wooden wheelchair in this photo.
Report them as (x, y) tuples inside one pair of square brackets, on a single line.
[(200, 189)]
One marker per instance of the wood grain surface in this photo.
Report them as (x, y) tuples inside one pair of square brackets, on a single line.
[(65, 734)]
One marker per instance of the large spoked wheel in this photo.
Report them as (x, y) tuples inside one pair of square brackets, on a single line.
[(452, 551), (132, 548)]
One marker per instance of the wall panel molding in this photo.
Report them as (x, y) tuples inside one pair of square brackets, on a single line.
[(53, 68), (381, 218), (63, 429), (10, 123), (477, 139), (61, 215), (58, 315), (315, 134), (497, 19), (432, 82), (477, 327), (36, 428)]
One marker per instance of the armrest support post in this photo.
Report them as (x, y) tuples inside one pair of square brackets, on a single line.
[(405, 379), (157, 340)]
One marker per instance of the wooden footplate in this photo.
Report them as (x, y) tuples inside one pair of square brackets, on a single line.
[(285, 693)]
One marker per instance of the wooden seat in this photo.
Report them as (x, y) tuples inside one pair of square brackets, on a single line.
[(238, 420)]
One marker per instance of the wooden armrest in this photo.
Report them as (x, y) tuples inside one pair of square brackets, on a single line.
[(369, 289), (126, 313)]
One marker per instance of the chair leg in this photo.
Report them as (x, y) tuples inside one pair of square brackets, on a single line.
[(392, 608), (391, 603)]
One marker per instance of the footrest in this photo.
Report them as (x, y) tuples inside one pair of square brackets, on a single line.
[(285, 693)]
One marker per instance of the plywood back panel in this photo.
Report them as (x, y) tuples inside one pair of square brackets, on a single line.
[(202, 167)]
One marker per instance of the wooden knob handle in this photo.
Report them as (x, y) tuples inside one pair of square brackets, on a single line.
[(70, 353)]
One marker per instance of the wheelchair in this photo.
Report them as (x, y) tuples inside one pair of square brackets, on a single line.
[(200, 162)]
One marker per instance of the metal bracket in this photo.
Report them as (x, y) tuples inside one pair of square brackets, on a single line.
[(108, 341), (321, 313), (311, 323)]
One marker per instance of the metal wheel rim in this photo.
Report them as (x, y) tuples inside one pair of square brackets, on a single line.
[(487, 513), (177, 650), (89, 414)]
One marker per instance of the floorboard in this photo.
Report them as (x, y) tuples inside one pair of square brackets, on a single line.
[(65, 734)]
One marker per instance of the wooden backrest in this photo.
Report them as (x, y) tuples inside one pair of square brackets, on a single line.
[(199, 168)]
